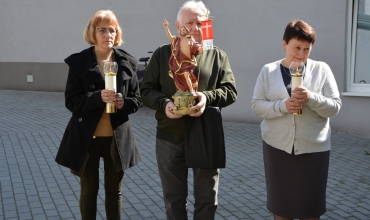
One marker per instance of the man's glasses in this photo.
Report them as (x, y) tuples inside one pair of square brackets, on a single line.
[(104, 30)]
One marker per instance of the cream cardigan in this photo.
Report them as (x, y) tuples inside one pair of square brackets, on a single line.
[(309, 132)]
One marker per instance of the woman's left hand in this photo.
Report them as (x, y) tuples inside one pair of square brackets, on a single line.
[(119, 101), (301, 94)]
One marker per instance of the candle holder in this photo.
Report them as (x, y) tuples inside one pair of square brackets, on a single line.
[(110, 73), (296, 71)]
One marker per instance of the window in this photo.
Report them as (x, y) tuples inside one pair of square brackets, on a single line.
[(358, 68)]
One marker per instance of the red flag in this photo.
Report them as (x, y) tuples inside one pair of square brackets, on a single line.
[(207, 30)]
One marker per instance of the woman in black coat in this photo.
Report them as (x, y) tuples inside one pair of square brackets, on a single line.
[(91, 132)]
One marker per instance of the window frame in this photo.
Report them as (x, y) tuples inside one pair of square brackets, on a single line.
[(353, 89)]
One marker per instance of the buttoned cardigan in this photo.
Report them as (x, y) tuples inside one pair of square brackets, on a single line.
[(308, 132)]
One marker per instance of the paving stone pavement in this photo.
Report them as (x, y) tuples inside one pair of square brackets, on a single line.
[(33, 186)]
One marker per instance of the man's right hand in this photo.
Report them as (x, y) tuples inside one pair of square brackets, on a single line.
[(169, 114)]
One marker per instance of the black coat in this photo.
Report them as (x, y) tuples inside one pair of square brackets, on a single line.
[(83, 99)]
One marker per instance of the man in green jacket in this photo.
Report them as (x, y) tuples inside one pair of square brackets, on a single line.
[(216, 87)]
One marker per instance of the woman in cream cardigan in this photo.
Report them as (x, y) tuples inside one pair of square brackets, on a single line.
[(296, 147)]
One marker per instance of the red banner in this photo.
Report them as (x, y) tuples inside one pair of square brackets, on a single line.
[(207, 30)]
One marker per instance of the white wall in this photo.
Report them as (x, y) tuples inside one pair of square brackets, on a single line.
[(50, 30), (249, 31)]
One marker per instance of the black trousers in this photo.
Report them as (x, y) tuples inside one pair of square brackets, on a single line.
[(100, 147)]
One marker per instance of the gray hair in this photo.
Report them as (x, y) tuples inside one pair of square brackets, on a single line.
[(192, 4)]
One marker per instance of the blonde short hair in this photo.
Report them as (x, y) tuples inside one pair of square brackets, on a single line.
[(105, 16)]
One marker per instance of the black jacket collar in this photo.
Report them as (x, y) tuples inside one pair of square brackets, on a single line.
[(84, 63)]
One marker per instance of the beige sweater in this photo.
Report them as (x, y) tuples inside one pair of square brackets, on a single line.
[(309, 132), (104, 128)]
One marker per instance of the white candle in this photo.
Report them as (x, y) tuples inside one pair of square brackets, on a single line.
[(110, 82), (297, 80), (110, 72)]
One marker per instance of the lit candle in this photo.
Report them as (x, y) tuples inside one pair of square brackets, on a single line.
[(110, 73), (296, 70)]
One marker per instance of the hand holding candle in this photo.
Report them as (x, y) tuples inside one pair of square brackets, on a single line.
[(110, 72), (297, 70)]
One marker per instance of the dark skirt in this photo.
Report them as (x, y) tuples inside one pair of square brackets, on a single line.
[(296, 184)]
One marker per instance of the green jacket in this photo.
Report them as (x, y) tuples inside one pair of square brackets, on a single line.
[(216, 81)]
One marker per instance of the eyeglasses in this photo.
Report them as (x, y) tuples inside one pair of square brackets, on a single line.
[(104, 30)]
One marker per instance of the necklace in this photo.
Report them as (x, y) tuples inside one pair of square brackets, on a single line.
[(289, 86)]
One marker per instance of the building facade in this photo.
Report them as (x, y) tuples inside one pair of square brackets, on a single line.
[(39, 34)]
